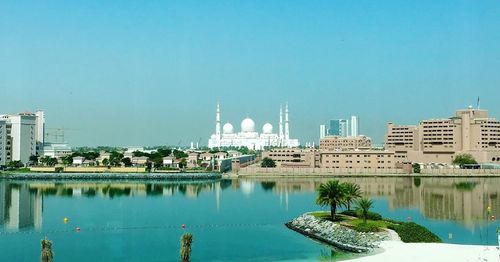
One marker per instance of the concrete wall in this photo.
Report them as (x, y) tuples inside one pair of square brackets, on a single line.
[(301, 170)]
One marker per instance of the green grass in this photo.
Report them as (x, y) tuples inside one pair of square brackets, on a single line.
[(19, 170), (410, 232), (369, 226), (326, 215)]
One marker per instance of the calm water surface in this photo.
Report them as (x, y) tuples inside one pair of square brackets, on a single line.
[(232, 220)]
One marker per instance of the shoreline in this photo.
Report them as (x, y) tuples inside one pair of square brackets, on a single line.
[(110, 176), (392, 250), (332, 175)]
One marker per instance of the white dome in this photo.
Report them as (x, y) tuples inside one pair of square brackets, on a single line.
[(267, 128), (247, 125), (228, 128)]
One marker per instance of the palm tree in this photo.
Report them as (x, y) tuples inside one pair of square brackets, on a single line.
[(352, 192), (186, 241), (47, 254), (364, 205), (331, 193)]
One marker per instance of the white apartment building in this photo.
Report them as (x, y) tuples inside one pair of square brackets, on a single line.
[(20, 137)]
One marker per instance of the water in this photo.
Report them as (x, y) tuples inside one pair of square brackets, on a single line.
[(232, 220)]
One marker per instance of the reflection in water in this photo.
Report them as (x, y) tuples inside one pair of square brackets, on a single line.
[(464, 200), (20, 207)]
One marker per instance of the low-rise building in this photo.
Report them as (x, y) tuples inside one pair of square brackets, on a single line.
[(293, 157), (56, 150), (339, 143), (78, 160), (469, 131), (139, 161), (366, 159)]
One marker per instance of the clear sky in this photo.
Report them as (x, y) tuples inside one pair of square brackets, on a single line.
[(151, 72)]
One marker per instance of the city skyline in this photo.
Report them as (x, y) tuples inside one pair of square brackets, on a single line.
[(154, 71)]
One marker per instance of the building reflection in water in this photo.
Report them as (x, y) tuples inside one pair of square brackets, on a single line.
[(20, 207), (464, 200)]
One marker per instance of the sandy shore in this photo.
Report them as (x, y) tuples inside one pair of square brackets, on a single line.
[(398, 251)]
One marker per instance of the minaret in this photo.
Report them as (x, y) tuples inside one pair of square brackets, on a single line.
[(287, 129), (217, 123), (281, 126)]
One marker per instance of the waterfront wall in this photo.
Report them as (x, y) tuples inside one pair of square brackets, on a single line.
[(458, 171), (97, 169), (294, 171), (319, 171), (112, 176)]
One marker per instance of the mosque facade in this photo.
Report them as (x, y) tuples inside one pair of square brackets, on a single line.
[(249, 137)]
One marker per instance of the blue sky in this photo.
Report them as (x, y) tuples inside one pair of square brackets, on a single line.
[(151, 72)]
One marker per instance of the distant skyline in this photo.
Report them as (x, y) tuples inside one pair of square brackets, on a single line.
[(151, 73)]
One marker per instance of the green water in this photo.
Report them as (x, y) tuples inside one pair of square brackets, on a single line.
[(232, 220)]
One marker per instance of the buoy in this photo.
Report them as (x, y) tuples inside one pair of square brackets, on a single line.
[(183, 226), (77, 229), (65, 220)]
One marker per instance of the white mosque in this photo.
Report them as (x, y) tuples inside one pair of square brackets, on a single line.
[(250, 138)]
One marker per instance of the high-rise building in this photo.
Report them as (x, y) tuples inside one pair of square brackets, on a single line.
[(322, 131), (4, 145), (338, 127), (20, 136), (354, 126), (40, 131)]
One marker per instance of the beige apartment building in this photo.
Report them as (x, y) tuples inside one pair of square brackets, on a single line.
[(469, 131), (361, 159), (338, 143), (293, 157), (312, 158)]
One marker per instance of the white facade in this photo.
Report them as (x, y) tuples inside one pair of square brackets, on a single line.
[(22, 135), (4, 158), (40, 131), (56, 150), (249, 137), (354, 126), (322, 131)]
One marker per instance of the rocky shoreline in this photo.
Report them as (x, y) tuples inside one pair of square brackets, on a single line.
[(111, 176), (336, 235)]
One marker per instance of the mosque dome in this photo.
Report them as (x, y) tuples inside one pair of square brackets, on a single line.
[(228, 128), (267, 128), (247, 125)]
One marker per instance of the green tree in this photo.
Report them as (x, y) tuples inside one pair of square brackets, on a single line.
[(105, 162), (67, 160), (183, 163), (332, 194), (268, 162), (464, 159), (15, 164), (126, 161), (115, 158), (364, 205), (352, 192), (416, 168), (34, 159)]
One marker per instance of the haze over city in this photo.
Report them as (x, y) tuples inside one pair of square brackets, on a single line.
[(135, 73)]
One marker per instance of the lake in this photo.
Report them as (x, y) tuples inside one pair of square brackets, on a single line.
[(231, 220)]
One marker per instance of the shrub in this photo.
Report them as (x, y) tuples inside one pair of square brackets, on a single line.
[(410, 232), (370, 216), (367, 227)]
